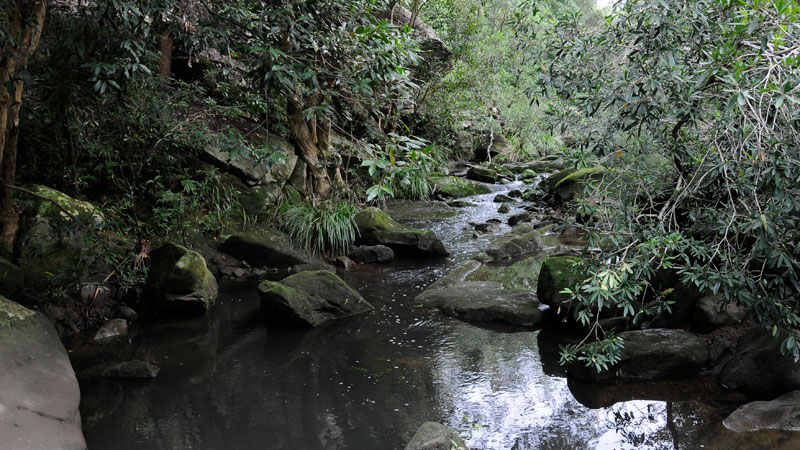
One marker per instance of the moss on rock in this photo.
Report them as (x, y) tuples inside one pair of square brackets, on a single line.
[(455, 187), (179, 281)]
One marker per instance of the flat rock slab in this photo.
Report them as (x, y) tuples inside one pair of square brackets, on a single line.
[(484, 301), (783, 413), (651, 354), (309, 298), (39, 394), (481, 301), (266, 248)]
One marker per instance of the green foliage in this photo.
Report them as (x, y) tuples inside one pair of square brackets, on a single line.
[(695, 104), (496, 78), (401, 168), (327, 227)]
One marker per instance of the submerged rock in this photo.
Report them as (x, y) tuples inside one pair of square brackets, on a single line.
[(502, 198), (368, 254), (651, 354), (377, 228), (456, 187), (309, 298), (265, 248), (435, 436), (758, 368), (521, 240), (40, 394), (131, 369), (783, 413), (179, 281)]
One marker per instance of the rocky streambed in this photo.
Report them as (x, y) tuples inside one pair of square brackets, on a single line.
[(485, 368)]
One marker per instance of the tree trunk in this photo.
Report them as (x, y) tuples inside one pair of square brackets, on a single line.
[(165, 61), (304, 135), (25, 23)]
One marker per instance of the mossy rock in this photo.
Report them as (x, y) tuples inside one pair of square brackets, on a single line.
[(377, 228), (50, 240), (522, 274), (568, 184), (14, 315), (456, 187), (179, 281), (558, 273), (312, 298), (482, 174), (521, 240)]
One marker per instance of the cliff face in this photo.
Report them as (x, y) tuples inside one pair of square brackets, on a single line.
[(438, 56)]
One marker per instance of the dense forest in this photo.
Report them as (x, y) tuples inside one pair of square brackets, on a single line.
[(151, 149)]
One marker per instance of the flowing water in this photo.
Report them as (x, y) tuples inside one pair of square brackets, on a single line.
[(368, 382)]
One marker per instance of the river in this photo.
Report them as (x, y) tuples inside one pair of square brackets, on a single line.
[(366, 383)]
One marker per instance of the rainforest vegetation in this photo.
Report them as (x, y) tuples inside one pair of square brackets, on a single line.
[(686, 111)]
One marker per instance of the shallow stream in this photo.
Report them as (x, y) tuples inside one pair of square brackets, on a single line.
[(367, 383)]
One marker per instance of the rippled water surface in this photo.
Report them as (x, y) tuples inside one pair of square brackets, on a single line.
[(369, 382)]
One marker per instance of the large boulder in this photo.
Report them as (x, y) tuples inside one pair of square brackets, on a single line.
[(650, 354), (274, 167), (51, 236), (438, 56), (482, 174), (435, 436), (40, 394), (783, 413), (521, 240), (377, 228), (568, 184), (179, 282), (758, 368), (310, 298), (711, 313), (265, 248), (456, 187)]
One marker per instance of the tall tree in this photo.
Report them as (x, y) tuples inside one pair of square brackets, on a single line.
[(19, 37)]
